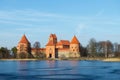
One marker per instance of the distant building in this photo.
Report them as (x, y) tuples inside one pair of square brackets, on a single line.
[(53, 49)]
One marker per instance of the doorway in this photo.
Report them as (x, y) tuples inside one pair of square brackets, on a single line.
[(50, 55)]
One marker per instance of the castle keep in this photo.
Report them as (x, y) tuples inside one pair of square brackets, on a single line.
[(53, 49)]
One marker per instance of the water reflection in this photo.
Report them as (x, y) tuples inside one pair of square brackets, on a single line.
[(22, 65), (51, 63), (59, 70), (74, 63)]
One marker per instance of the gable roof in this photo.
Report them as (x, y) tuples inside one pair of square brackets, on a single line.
[(51, 43), (24, 39), (74, 40), (63, 42)]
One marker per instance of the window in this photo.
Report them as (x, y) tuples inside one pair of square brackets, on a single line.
[(73, 49)]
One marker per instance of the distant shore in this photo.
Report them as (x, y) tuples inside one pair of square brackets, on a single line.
[(18, 59), (111, 60), (100, 59)]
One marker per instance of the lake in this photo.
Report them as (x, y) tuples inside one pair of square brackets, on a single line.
[(59, 70)]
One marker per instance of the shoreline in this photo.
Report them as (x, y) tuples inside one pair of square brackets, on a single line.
[(79, 59), (111, 60)]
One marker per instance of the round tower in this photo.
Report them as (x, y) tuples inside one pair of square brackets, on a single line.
[(74, 47)]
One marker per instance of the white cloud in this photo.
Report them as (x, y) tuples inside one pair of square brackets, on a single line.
[(27, 17), (32, 17), (35, 29), (14, 23), (28, 13)]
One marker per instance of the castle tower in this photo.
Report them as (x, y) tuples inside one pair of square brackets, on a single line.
[(23, 48), (50, 47), (53, 38), (74, 47)]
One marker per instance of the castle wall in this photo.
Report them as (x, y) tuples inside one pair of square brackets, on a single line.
[(23, 50), (35, 51), (62, 46), (50, 51), (74, 50), (63, 53), (59, 46)]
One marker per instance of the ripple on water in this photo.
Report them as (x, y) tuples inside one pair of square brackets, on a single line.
[(80, 70), (46, 69), (9, 76), (115, 71)]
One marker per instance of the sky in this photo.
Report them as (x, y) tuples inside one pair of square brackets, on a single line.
[(37, 19)]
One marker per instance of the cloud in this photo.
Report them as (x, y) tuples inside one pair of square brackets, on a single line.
[(14, 23), (35, 29), (31, 17), (26, 13), (27, 17)]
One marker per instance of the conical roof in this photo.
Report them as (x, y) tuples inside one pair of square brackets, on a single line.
[(24, 39), (75, 40)]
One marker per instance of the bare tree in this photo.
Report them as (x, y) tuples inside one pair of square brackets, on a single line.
[(105, 48), (36, 46), (92, 47), (115, 47)]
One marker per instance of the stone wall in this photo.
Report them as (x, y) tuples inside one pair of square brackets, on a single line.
[(63, 54)]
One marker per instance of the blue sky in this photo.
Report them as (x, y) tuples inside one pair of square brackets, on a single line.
[(99, 19)]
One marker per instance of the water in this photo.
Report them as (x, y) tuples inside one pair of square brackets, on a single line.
[(59, 70)]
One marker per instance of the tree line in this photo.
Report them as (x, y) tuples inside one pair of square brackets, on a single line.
[(7, 53), (101, 49), (93, 49)]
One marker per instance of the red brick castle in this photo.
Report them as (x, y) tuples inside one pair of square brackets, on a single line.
[(53, 49)]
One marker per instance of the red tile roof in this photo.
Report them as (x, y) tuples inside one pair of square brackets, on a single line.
[(51, 43), (63, 42), (24, 39), (53, 35), (74, 40)]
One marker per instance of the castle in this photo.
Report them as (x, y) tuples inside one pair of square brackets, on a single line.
[(53, 49)]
